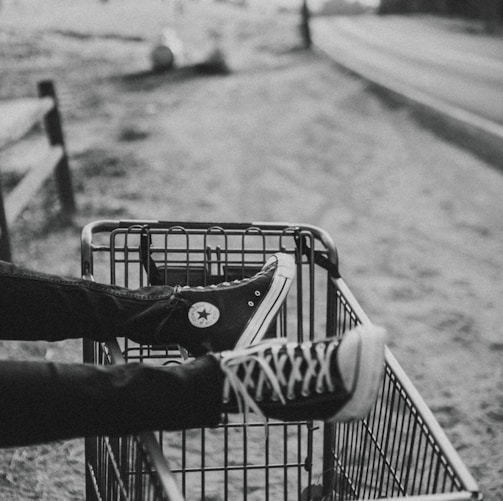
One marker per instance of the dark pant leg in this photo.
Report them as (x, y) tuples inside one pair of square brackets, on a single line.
[(38, 306), (42, 401)]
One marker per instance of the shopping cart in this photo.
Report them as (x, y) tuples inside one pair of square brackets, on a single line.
[(399, 450)]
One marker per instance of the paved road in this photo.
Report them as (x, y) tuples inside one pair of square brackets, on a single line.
[(432, 56)]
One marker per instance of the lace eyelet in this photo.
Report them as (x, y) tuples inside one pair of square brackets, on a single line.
[(251, 304), (257, 293)]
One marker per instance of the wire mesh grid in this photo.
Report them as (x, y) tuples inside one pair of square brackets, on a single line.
[(122, 468), (391, 453), (398, 450)]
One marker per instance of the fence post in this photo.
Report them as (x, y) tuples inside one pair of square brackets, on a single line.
[(5, 252), (305, 28), (54, 130)]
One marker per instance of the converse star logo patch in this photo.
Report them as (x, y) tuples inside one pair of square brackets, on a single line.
[(203, 314)]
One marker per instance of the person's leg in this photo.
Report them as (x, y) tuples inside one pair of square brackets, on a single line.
[(324, 380), (43, 401), (38, 306)]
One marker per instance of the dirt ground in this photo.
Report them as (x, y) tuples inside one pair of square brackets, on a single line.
[(283, 137)]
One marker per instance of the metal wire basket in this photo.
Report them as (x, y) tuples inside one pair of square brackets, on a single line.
[(398, 450)]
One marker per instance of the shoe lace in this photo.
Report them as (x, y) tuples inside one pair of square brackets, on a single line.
[(275, 371)]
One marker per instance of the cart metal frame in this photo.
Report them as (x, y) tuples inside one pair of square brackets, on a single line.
[(398, 451)]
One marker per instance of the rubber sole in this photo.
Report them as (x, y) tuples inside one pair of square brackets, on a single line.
[(363, 347), (282, 280)]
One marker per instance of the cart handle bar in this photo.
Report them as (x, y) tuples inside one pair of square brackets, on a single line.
[(329, 262)]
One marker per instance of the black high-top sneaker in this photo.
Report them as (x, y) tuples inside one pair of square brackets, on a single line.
[(231, 314), (328, 380)]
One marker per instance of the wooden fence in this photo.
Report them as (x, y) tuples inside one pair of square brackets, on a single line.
[(17, 118)]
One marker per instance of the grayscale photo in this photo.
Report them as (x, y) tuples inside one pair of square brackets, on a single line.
[(251, 250)]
